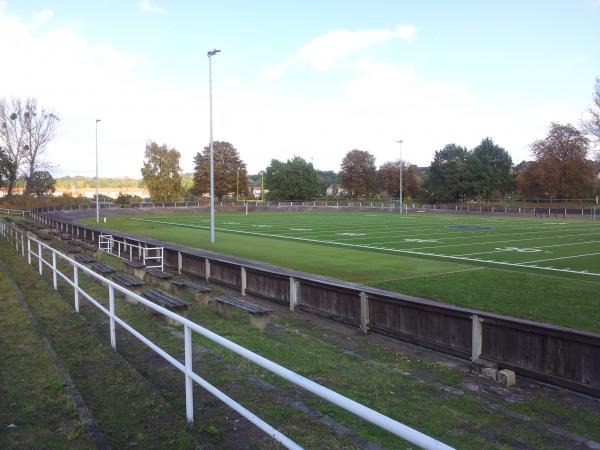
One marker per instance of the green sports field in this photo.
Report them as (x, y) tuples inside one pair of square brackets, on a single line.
[(542, 269)]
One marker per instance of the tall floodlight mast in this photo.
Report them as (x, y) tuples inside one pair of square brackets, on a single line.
[(212, 151)]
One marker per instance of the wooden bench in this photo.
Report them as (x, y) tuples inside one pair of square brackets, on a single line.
[(157, 276), (135, 267), (259, 316), (69, 248), (127, 281), (166, 300), (85, 259), (102, 268), (180, 285)]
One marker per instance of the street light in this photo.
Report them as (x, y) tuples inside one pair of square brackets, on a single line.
[(212, 152), (401, 167), (97, 182)]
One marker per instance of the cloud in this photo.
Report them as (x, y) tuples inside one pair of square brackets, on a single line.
[(327, 50), (148, 7), (578, 59)]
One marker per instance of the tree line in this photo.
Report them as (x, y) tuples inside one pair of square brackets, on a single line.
[(562, 168)]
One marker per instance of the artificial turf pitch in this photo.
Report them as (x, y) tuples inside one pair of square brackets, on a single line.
[(545, 269)]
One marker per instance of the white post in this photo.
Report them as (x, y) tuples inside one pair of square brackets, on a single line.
[(179, 262), (243, 280), (189, 383), (111, 306), (22, 245), (76, 287), (28, 250), (207, 269), (293, 293), (54, 271), (40, 257), (364, 312), (476, 337)]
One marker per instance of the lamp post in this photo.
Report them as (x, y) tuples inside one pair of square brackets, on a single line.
[(401, 167), (97, 182), (212, 152)]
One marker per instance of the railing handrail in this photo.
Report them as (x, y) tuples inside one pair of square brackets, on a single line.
[(372, 416)]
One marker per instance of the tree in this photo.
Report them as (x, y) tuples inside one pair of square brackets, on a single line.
[(295, 179), (389, 178), (327, 178), (449, 173), (358, 174), (161, 172), (227, 163), (8, 171), (25, 131), (41, 183), (489, 170), (592, 125), (561, 168)]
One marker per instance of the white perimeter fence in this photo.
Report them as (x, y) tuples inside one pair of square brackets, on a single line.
[(14, 212), (25, 245)]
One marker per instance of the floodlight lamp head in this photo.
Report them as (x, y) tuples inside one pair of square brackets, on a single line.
[(213, 52), (98, 120)]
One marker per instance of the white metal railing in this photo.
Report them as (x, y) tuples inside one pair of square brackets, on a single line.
[(153, 257), (14, 212), (25, 244)]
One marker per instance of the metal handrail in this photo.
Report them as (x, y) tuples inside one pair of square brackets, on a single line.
[(20, 239)]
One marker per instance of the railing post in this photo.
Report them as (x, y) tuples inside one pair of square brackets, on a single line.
[(293, 293), (40, 257), (76, 287), (476, 337), (111, 306), (364, 312), (207, 269), (28, 250), (54, 281), (189, 383), (243, 280), (22, 245), (179, 262)]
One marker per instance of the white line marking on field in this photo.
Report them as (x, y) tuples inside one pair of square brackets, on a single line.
[(300, 229), (421, 240), (231, 223), (434, 274), (563, 257), (519, 250), (351, 234), (394, 250), (262, 226), (540, 246), (555, 223)]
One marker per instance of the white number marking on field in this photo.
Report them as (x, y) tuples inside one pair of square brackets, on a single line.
[(300, 229), (421, 240), (351, 234), (519, 250)]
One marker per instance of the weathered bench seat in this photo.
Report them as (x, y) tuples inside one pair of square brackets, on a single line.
[(102, 268), (157, 276), (85, 259), (166, 300), (134, 267), (259, 316), (181, 285)]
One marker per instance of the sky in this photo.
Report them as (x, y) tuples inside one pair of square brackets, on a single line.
[(313, 78)]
